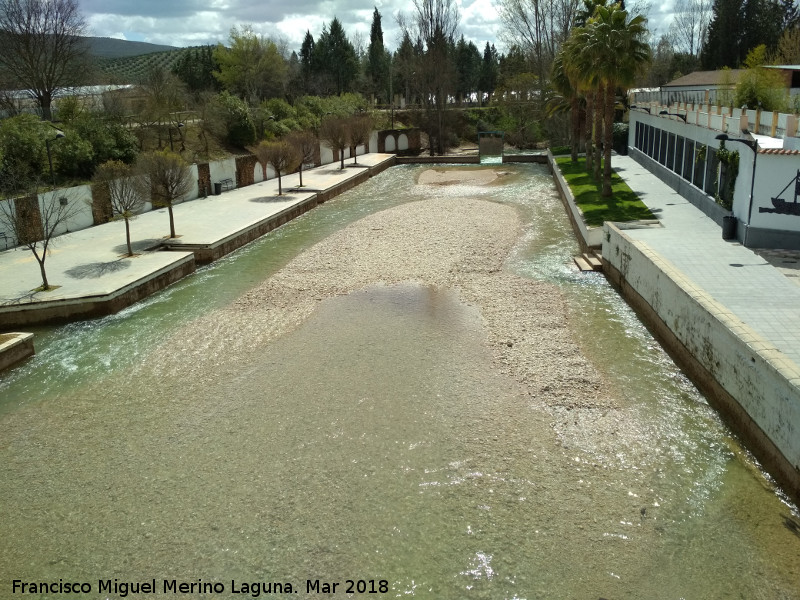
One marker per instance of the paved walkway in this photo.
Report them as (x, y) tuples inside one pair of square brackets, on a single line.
[(757, 292), (90, 262)]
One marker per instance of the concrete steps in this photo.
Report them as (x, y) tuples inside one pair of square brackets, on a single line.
[(588, 261)]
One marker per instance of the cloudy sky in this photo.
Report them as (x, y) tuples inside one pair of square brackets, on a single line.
[(195, 22)]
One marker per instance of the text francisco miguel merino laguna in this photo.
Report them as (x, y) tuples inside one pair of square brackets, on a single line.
[(174, 586)]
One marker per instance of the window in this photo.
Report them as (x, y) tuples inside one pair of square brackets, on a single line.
[(678, 166), (699, 165), (670, 151), (712, 164), (688, 160)]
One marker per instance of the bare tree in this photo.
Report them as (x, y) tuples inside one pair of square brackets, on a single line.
[(165, 178), (690, 25), (538, 27), (34, 221), (333, 132), (282, 156), (435, 23), (43, 47), (359, 129), (124, 193), (307, 145)]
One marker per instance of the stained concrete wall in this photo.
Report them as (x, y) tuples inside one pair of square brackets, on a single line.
[(16, 349), (755, 387)]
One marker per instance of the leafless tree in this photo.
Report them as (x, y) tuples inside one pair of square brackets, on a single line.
[(333, 132), (282, 156), (359, 129), (690, 25), (307, 145), (165, 178), (538, 27), (124, 193), (435, 23), (35, 221), (42, 46)]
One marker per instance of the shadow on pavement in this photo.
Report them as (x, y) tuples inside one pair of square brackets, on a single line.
[(98, 269)]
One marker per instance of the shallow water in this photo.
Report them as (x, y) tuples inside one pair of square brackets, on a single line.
[(377, 442)]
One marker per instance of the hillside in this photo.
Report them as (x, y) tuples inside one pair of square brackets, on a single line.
[(104, 47), (130, 69)]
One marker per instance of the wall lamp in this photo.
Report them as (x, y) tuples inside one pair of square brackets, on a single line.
[(669, 114)]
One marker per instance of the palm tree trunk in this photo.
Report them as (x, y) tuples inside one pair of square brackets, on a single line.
[(598, 130), (589, 129), (576, 126), (609, 131)]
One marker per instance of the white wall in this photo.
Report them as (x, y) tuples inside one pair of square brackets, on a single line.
[(222, 169), (79, 201), (749, 369), (325, 154)]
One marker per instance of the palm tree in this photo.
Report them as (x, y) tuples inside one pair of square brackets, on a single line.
[(581, 68), (567, 88), (619, 45)]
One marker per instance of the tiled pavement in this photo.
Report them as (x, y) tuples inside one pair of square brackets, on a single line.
[(766, 298), (90, 262)]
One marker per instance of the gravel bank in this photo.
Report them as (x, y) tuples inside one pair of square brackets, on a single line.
[(457, 243)]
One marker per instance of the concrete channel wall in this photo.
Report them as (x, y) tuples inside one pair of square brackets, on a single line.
[(16, 349), (753, 385), (588, 237)]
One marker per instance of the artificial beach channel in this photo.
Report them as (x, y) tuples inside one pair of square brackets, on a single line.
[(410, 383)]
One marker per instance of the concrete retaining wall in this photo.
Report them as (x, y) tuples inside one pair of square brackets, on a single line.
[(64, 311), (210, 253), (438, 160), (755, 388), (588, 237), (15, 350)]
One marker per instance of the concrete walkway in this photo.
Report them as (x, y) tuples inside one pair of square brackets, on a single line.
[(755, 291), (90, 263)]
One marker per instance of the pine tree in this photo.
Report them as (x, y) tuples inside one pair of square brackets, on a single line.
[(307, 61), (489, 69), (377, 69)]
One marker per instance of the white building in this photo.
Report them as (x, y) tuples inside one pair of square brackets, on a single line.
[(680, 145)]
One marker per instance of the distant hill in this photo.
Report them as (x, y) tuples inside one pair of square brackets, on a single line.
[(104, 47), (131, 69)]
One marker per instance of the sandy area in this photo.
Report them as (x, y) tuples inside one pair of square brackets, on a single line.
[(457, 243)]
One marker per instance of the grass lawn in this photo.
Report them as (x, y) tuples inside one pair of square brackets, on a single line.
[(623, 205)]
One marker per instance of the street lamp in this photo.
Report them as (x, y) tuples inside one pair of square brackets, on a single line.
[(669, 114), (59, 134), (169, 130), (753, 145)]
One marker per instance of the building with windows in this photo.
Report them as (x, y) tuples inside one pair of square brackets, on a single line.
[(753, 175)]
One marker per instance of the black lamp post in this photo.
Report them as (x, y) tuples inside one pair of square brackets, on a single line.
[(669, 114), (59, 134), (753, 145)]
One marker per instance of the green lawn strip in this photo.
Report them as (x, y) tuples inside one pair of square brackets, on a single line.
[(623, 205)]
